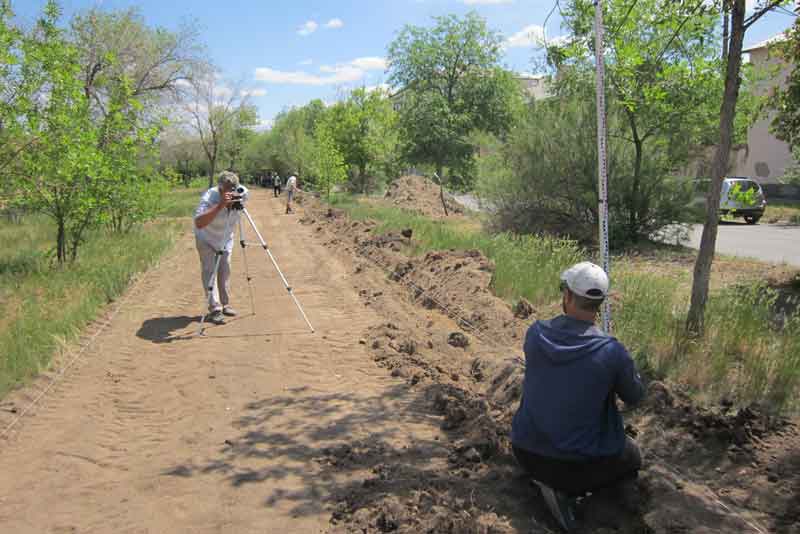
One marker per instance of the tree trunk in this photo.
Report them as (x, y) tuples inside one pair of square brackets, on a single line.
[(441, 189), (362, 178), (725, 30), (702, 267), (61, 241), (77, 235), (635, 207), (213, 163)]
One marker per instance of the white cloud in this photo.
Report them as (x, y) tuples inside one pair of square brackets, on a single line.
[(306, 62), (253, 92), (486, 2), (334, 23), (370, 63), (351, 71), (529, 36), (265, 74), (342, 73), (309, 27)]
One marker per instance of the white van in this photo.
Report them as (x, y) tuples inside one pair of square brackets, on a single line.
[(740, 197)]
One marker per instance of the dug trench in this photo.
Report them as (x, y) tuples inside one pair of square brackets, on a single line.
[(706, 469)]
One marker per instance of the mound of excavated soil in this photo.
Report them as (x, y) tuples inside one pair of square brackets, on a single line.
[(713, 469), (418, 194)]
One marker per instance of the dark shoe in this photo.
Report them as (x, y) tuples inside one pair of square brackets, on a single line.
[(230, 312), (560, 505), (216, 317)]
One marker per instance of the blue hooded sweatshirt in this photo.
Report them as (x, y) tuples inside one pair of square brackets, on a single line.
[(573, 373)]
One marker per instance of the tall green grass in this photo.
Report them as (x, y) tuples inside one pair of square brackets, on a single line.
[(43, 305), (749, 354), (181, 202)]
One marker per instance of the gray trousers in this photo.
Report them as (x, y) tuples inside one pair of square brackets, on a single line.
[(219, 297)]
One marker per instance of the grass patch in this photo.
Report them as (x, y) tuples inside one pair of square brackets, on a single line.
[(181, 202), (43, 305), (749, 353), (783, 211)]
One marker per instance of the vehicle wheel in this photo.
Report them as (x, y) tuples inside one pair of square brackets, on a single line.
[(751, 220)]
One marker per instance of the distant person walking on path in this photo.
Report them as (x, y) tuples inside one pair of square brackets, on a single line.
[(211, 218), (291, 188), (567, 432), (276, 184)]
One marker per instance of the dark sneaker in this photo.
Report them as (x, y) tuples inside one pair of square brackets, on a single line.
[(216, 317), (230, 312), (560, 505)]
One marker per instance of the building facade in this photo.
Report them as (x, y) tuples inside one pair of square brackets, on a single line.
[(764, 156)]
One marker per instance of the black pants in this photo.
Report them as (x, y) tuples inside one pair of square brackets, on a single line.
[(577, 477), (276, 190)]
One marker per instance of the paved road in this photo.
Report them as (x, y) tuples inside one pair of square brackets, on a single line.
[(767, 242)]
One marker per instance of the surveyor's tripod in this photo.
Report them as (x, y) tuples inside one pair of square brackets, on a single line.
[(220, 253)]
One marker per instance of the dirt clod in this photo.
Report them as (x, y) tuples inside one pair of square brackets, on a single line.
[(457, 339), (408, 346), (523, 309)]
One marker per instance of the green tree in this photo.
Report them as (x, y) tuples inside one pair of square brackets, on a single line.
[(11, 88), (75, 164), (663, 80), (786, 99), (180, 151), (293, 138), (213, 110), (117, 47), (239, 133), (739, 24), (532, 183), (365, 129), (259, 154), (55, 177), (132, 188), (328, 164), (451, 85)]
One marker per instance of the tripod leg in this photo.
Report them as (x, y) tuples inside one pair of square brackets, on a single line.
[(278, 269), (246, 268)]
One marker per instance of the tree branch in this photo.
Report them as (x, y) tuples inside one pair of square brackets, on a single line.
[(752, 19), (678, 31)]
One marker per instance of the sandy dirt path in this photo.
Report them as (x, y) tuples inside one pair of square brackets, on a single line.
[(158, 431)]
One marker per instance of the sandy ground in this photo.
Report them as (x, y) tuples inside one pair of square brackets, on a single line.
[(156, 430), (393, 417)]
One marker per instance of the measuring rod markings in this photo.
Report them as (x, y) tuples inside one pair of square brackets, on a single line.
[(602, 163)]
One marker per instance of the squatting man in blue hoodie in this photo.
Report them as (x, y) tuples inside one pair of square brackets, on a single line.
[(567, 433)]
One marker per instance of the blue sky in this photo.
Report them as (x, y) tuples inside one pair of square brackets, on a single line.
[(288, 52)]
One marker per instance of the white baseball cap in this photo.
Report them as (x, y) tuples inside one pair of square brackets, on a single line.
[(587, 280)]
